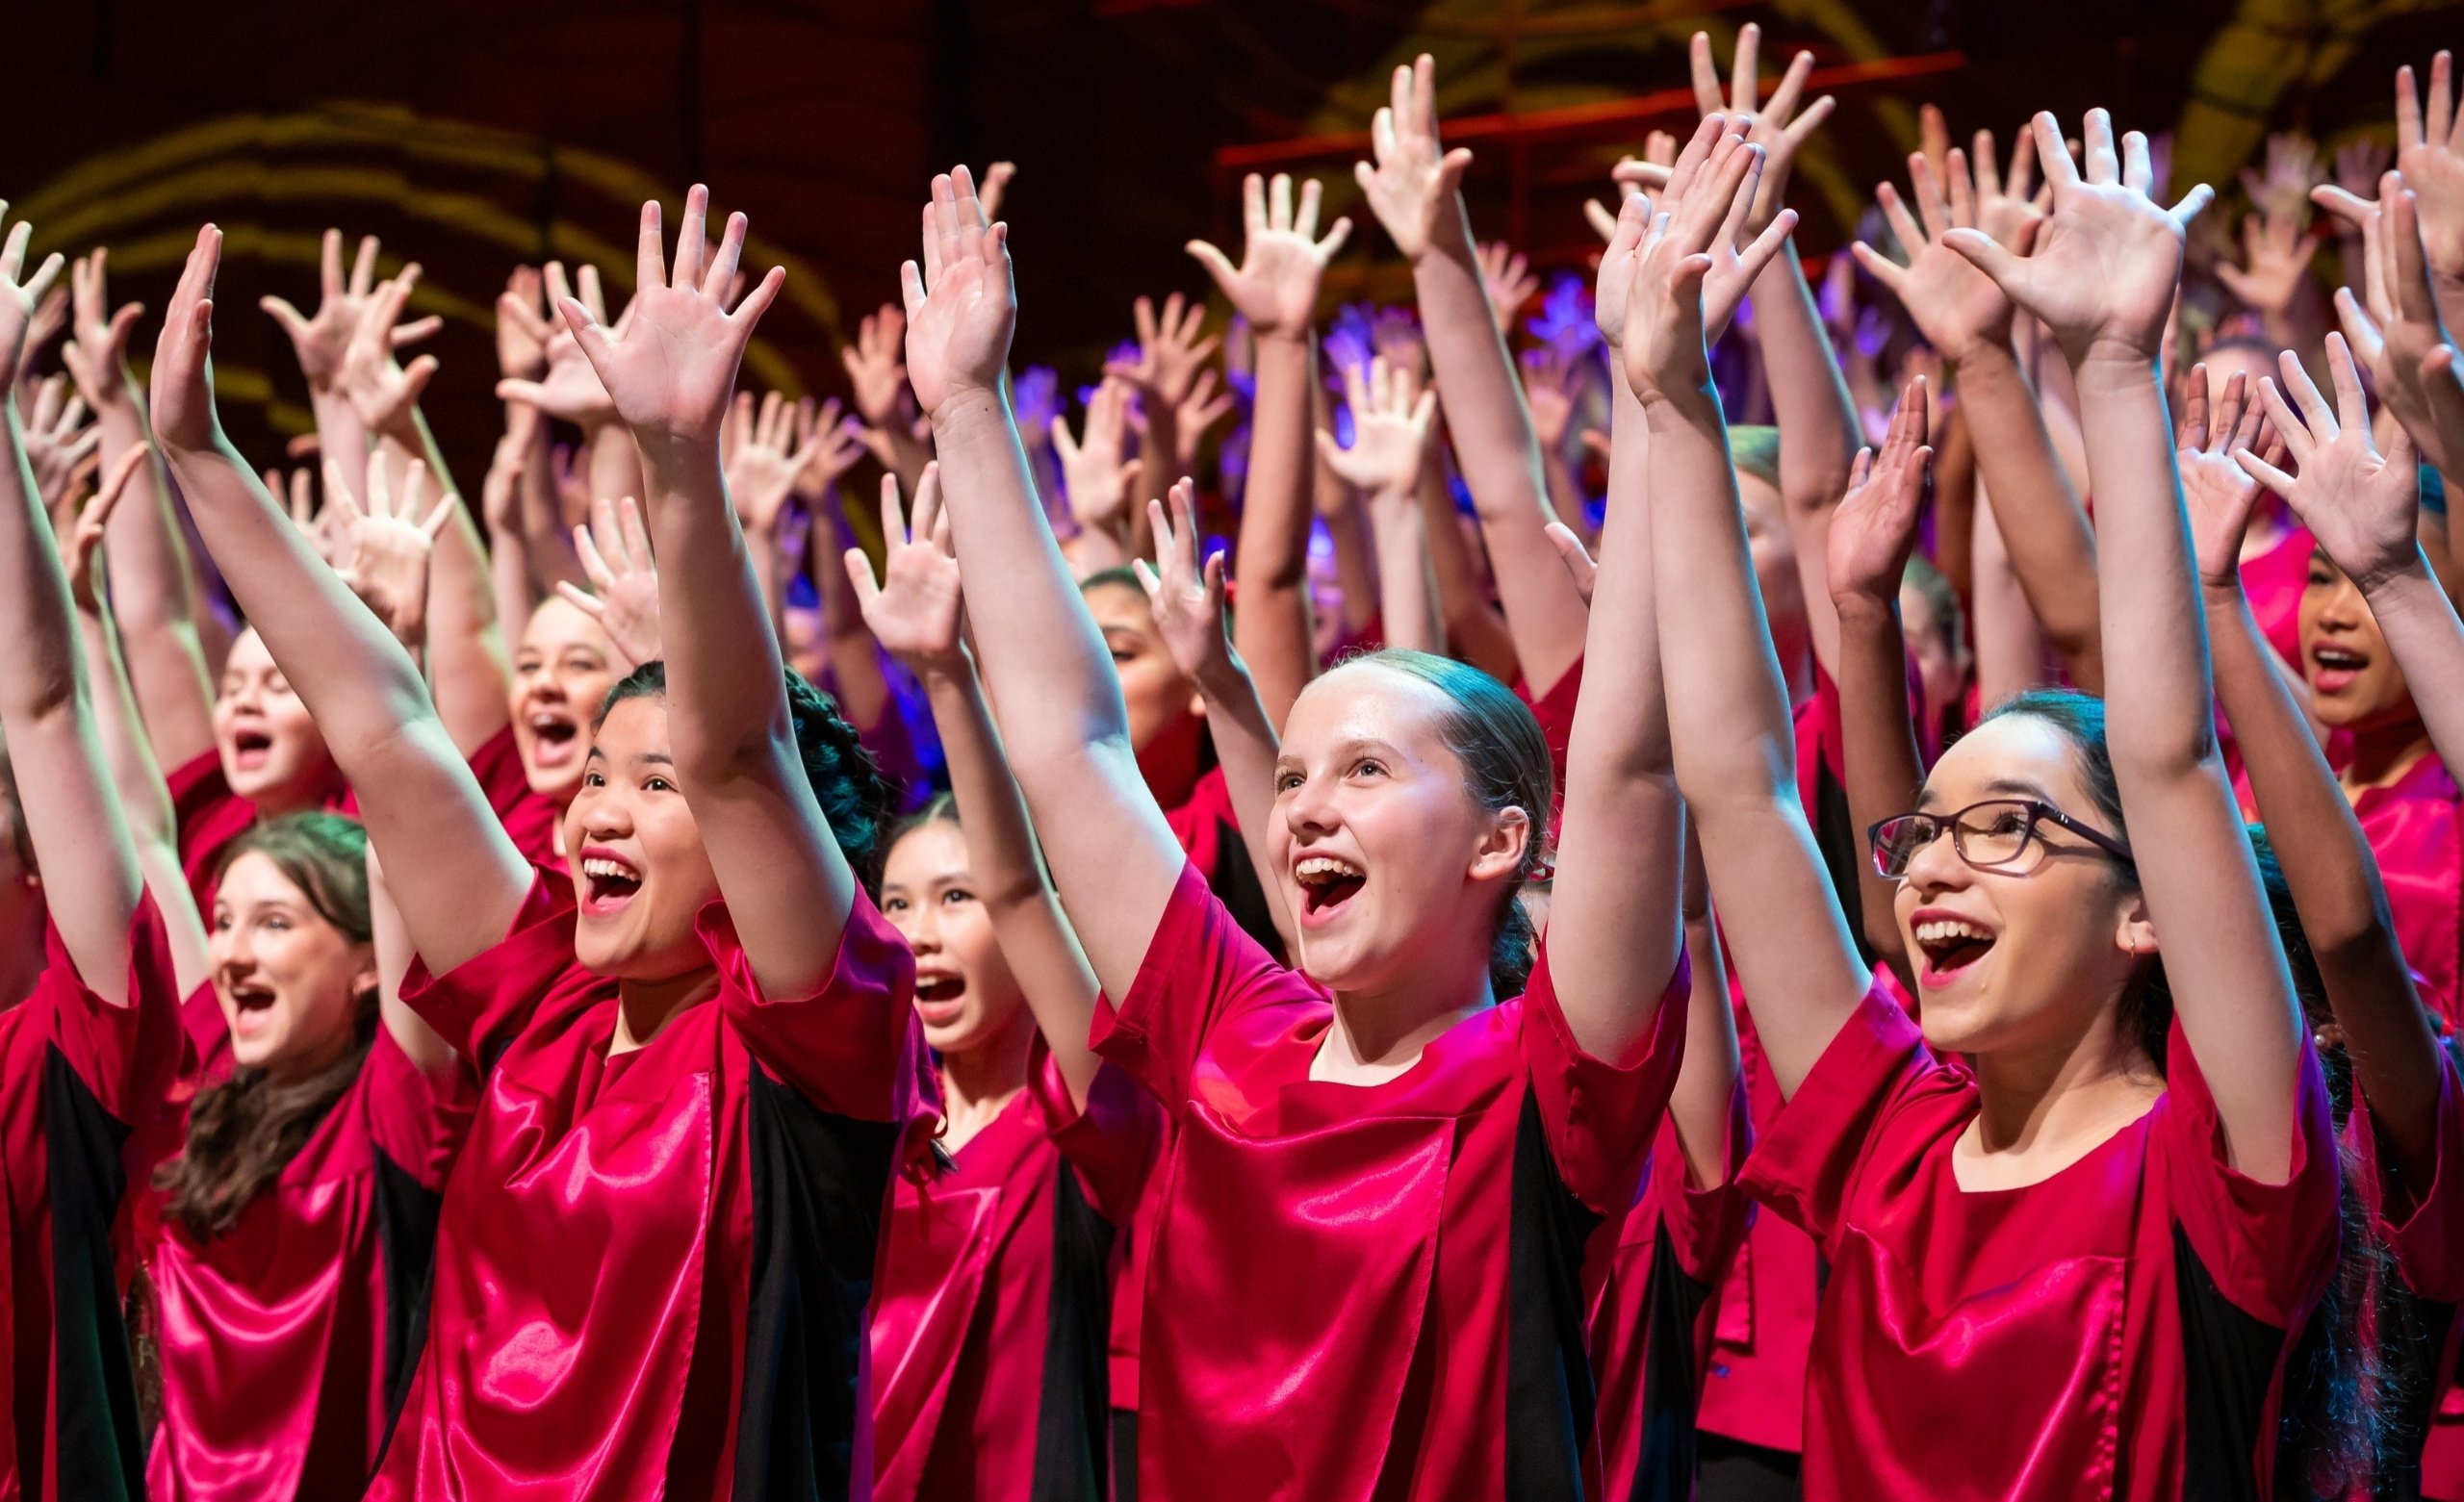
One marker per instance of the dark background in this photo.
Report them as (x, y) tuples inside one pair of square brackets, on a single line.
[(474, 136)]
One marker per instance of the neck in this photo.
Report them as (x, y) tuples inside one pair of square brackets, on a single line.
[(1382, 1033), (645, 1007), (2383, 755), (979, 1084), (2031, 1098)]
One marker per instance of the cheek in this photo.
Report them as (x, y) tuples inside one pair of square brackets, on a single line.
[(674, 841)]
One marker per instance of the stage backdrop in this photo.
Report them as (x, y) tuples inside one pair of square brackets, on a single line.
[(473, 136)]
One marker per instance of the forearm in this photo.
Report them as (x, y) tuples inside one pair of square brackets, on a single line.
[(1703, 1107), (1409, 600), (418, 1042), (2335, 884), (71, 814), (2043, 525), (158, 598), (615, 463), (342, 438), (1472, 625), (1245, 748), (1819, 434), (1002, 860), (2009, 645), (136, 776), (1733, 744), (547, 539), (1883, 770), (1501, 457), (2422, 630), (1356, 564), (1270, 630), (466, 657), (1613, 938)]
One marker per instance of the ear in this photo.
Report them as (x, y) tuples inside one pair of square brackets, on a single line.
[(1504, 848), (2133, 933)]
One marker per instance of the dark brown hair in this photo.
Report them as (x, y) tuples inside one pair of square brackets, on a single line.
[(245, 1130)]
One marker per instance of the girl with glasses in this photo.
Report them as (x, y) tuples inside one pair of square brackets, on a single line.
[(2075, 1263)]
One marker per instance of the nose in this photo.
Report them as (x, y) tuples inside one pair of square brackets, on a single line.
[(924, 929), (2343, 608), (604, 816), (1309, 810), (1937, 865)]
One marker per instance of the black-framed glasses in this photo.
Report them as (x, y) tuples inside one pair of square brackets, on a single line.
[(1998, 834)]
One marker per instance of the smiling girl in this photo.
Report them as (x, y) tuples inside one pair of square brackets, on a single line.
[(991, 1324), (308, 1181), (2076, 1263), (694, 1043), (1384, 1164)]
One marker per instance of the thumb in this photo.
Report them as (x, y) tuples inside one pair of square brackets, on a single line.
[(285, 315), (1218, 264), (1980, 252)]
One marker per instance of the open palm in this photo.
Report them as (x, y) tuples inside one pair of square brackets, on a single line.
[(670, 364), (961, 307), (1282, 257), (917, 607)]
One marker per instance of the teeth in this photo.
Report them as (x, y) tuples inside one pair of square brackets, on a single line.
[(1324, 867), (1942, 930), (614, 869)]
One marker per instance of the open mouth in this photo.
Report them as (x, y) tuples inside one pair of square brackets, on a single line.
[(2333, 669), (251, 747), (251, 1005), (939, 998), (1950, 946), (1326, 886), (609, 883), (553, 737)]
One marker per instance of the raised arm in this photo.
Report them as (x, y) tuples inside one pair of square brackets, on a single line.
[(136, 778), (1113, 857), (92, 882), (1612, 940), (1730, 734), (915, 610), (1186, 599), (1390, 422), (1275, 288), (418, 1042), (455, 872), (158, 601), (1704, 1104), (2102, 276), (1416, 191), (1810, 400), (670, 370), (2327, 860), (1870, 541), (1967, 318)]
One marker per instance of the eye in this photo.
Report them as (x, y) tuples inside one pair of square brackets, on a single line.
[(1369, 767), (894, 905), (658, 785), (593, 780), (222, 922), (2006, 820), (1286, 781), (956, 895), (278, 923)]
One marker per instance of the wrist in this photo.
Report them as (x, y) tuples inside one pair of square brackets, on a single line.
[(965, 410), (1672, 408), (940, 672), (1220, 680), (1862, 604), (2392, 582)]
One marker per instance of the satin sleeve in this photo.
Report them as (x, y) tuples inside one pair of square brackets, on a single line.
[(1704, 1225), (2270, 1247), (2422, 1224), (129, 1056), (1555, 712), (416, 1118), (1806, 1166), (1600, 1118), (484, 1003), (1200, 968), (1111, 1144), (842, 1046)]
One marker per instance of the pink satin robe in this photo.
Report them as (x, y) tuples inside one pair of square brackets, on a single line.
[(77, 1074), (208, 816), (2422, 1228), (2411, 825), (991, 1320), (283, 1341), (2092, 1334), (652, 1265), (1368, 1290), (1653, 1274)]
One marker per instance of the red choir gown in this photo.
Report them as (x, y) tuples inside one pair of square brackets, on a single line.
[(1652, 1273), (2423, 1227), (2411, 825), (77, 1076), (992, 1322), (652, 1266), (209, 817), (1368, 1290), (286, 1343), (2109, 1332)]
